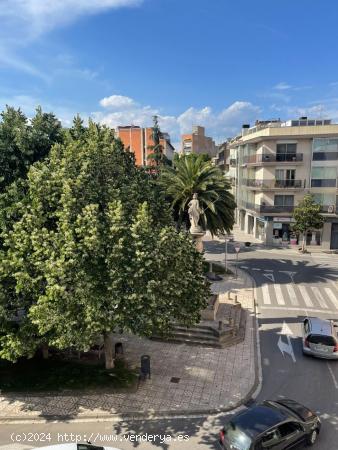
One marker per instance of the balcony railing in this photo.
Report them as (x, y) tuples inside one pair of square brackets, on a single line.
[(324, 183), (273, 158), (274, 184), (268, 208)]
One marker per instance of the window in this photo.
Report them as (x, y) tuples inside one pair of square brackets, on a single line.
[(325, 149), (325, 145), (325, 199), (289, 428), (329, 341), (286, 148), (284, 200), (236, 437), (306, 326), (324, 177)]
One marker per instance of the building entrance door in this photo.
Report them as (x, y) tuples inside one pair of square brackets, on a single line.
[(334, 236)]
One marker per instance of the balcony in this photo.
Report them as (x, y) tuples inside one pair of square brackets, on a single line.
[(328, 209), (273, 158), (267, 209), (274, 184)]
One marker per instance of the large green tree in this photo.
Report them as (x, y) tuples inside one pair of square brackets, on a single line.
[(194, 174), (24, 142), (307, 217), (93, 251)]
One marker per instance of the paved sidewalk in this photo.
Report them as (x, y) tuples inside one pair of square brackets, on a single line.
[(210, 380)]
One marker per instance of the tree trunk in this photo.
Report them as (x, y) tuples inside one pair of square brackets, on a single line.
[(108, 350), (304, 241), (45, 352)]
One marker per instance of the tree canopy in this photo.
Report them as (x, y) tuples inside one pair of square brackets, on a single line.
[(194, 174), (307, 217), (93, 250), (23, 142)]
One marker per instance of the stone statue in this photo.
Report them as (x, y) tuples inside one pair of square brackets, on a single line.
[(194, 214)]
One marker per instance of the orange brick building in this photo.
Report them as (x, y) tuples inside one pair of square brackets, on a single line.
[(139, 141)]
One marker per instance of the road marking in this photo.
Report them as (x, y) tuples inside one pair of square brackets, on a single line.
[(255, 268), (305, 296), (332, 375), (286, 348), (244, 267), (294, 263), (268, 270), (286, 330), (332, 297), (292, 294), (282, 261), (266, 296), (269, 276), (319, 297), (292, 308), (279, 294), (266, 362)]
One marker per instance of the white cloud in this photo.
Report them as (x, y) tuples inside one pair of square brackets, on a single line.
[(219, 125), (30, 19), (117, 101), (39, 16), (282, 86)]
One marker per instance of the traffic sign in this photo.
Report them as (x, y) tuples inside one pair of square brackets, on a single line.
[(237, 249)]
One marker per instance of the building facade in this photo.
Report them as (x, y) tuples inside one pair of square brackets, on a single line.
[(198, 142), (139, 141), (273, 165)]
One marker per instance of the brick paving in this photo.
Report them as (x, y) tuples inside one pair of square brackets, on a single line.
[(209, 378)]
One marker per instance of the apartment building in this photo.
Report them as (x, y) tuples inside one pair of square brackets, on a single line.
[(272, 165), (222, 158), (139, 141), (198, 142)]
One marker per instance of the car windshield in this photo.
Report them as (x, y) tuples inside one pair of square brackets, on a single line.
[(321, 339), (236, 437)]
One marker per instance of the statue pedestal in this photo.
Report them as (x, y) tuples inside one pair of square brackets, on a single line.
[(197, 237)]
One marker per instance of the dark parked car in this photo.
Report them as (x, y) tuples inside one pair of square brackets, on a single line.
[(276, 425)]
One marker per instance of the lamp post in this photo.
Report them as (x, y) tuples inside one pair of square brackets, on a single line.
[(237, 248), (226, 254)]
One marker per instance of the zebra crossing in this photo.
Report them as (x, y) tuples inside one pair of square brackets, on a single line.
[(299, 296)]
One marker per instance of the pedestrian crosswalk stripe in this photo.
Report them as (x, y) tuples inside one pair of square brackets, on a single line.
[(319, 297), (332, 297), (294, 263), (305, 296), (282, 261), (279, 294), (292, 294), (266, 295)]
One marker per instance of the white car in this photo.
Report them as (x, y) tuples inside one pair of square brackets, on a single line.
[(75, 447)]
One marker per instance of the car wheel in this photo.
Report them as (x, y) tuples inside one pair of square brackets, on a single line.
[(312, 437)]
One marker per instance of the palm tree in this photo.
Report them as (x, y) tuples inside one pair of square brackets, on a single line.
[(190, 174)]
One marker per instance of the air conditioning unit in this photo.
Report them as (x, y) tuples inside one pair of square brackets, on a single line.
[(330, 209)]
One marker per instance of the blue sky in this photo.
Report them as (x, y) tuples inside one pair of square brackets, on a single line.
[(217, 63)]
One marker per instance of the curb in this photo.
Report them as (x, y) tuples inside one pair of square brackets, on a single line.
[(162, 414)]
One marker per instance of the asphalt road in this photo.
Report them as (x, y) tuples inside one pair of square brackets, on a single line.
[(289, 289), (311, 381)]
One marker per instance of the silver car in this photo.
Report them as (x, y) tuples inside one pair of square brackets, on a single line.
[(320, 338)]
